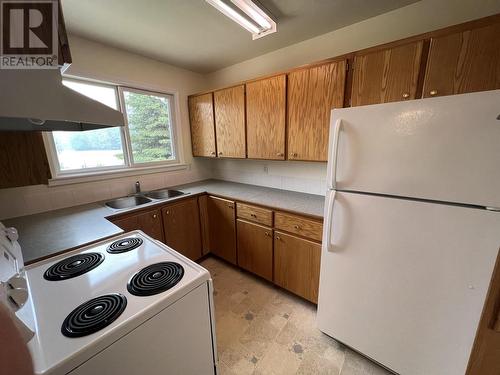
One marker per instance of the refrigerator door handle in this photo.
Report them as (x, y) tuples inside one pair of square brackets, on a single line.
[(336, 137), (328, 235)]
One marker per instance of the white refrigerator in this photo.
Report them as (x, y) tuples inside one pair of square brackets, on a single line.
[(412, 229)]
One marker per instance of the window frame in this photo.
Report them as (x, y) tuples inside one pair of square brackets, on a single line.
[(171, 116), (129, 167)]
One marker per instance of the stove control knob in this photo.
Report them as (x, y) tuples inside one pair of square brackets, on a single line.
[(11, 234)]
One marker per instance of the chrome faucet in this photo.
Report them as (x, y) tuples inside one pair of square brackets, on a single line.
[(137, 187)]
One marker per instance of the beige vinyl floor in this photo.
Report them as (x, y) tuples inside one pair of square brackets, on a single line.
[(262, 329)]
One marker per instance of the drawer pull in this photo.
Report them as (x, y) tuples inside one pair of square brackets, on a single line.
[(253, 215), (296, 227), (230, 206), (433, 92), (155, 216), (278, 238), (267, 234), (406, 95)]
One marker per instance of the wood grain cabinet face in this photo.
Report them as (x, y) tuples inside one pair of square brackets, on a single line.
[(149, 222), (485, 355), (296, 265), (266, 109), (222, 227), (255, 248), (181, 224), (230, 122), (464, 62), (388, 75), (201, 118), (312, 94)]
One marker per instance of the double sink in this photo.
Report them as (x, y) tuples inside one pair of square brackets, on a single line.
[(143, 198)]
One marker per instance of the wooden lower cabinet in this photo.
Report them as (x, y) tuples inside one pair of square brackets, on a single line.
[(181, 225), (255, 248), (222, 228), (296, 265), (485, 356), (149, 222)]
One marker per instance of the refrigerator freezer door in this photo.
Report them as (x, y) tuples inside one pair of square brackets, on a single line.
[(445, 148), (404, 282)]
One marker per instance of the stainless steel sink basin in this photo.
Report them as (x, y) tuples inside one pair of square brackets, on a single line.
[(164, 194), (127, 202)]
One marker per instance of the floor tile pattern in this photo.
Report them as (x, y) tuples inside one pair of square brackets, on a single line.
[(264, 330)]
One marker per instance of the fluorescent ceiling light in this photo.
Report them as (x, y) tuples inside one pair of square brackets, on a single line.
[(260, 23)]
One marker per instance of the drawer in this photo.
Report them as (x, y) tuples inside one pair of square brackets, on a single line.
[(253, 213), (299, 225)]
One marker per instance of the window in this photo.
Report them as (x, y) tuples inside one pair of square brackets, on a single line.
[(146, 140)]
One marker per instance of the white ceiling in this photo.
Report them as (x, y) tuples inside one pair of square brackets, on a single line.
[(192, 34)]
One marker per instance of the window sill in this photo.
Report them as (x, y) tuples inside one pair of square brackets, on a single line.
[(67, 179)]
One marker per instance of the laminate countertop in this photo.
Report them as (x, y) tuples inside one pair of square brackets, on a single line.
[(49, 233)]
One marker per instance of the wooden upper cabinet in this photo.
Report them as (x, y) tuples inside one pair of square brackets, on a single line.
[(181, 224), (266, 110), (312, 94), (464, 62), (230, 122), (389, 75), (201, 118)]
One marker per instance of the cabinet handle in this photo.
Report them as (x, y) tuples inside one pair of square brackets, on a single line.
[(220, 152), (155, 216), (253, 215), (406, 95), (294, 154), (230, 206), (212, 153), (296, 227), (278, 238), (279, 154), (267, 234), (433, 92), (167, 212)]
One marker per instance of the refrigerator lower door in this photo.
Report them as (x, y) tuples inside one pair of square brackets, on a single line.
[(404, 282)]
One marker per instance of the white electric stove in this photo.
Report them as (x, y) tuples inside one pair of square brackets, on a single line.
[(126, 305)]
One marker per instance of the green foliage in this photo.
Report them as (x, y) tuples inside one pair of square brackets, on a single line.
[(149, 127), (100, 139)]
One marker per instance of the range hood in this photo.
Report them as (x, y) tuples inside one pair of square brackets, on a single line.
[(36, 100)]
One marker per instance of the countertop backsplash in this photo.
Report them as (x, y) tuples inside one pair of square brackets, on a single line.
[(294, 176)]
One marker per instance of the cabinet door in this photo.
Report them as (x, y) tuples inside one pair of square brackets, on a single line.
[(464, 62), (222, 228), (230, 122), (204, 222), (181, 224), (485, 356), (255, 249), (201, 118), (312, 94), (149, 222), (386, 76), (266, 108), (296, 265)]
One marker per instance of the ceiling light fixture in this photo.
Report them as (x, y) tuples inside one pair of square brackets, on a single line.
[(260, 23)]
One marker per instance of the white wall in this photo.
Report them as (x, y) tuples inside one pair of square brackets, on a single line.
[(97, 61), (417, 18)]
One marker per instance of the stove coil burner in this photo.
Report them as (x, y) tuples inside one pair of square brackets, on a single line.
[(124, 245), (93, 315), (73, 266), (155, 278)]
